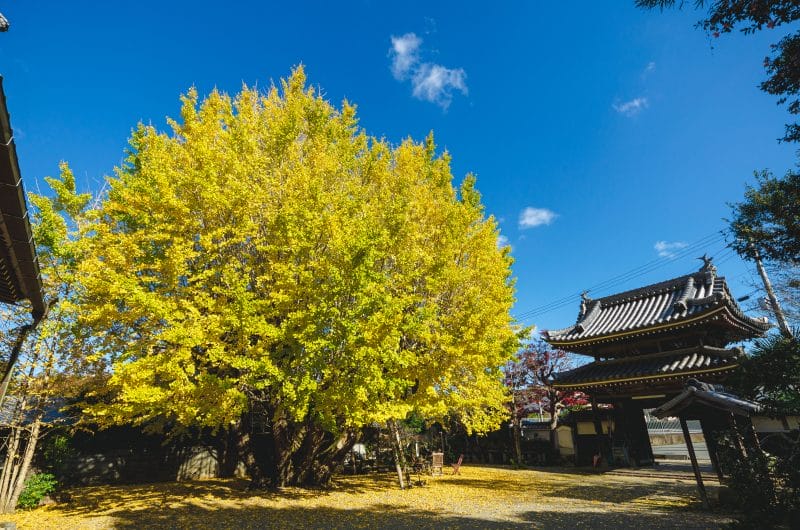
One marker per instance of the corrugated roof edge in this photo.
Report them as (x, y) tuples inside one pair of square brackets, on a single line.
[(32, 288)]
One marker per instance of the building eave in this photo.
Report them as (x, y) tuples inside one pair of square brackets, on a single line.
[(20, 277)]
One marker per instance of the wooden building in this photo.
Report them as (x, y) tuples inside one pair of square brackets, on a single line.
[(646, 344), (20, 278)]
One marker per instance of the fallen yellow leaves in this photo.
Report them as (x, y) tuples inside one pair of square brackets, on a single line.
[(481, 497)]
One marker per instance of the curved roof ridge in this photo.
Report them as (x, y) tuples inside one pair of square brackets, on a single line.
[(645, 291), (681, 301)]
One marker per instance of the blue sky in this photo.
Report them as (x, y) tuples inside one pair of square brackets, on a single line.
[(595, 132)]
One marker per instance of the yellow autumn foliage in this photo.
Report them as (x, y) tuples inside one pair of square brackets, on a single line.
[(266, 247)]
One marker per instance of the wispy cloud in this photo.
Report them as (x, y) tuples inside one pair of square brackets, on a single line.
[(668, 249), (532, 217), (631, 108), (502, 241), (651, 67), (435, 83), (404, 54), (429, 81)]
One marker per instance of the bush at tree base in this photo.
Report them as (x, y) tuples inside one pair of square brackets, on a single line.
[(37, 487)]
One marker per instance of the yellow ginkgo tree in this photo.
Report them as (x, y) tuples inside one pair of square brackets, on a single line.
[(267, 268)]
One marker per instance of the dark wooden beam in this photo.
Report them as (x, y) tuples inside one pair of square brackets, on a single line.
[(698, 477), (598, 428)]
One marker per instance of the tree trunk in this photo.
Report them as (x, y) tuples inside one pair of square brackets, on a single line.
[(30, 449), (399, 456), (332, 457), (287, 439), (309, 455), (15, 469), (9, 466), (247, 453), (517, 434)]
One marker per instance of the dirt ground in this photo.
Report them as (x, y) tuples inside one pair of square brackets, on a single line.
[(480, 497)]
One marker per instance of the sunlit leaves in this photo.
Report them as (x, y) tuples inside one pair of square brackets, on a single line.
[(267, 248)]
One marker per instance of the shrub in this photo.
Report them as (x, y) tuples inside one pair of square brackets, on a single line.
[(766, 485), (36, 488), (56, 452)]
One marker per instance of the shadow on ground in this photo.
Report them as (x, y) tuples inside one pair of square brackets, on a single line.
[(96, 499), (479, 498), (384, 517)]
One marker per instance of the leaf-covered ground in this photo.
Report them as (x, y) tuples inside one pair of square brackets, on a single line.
[(481, 497)]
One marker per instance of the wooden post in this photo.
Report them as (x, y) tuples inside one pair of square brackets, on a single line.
[(598, 430), (688, 439)]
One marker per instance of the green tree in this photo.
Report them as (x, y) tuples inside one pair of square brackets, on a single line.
[(771, 374), (749, 16), (267, 267), (769, 218)]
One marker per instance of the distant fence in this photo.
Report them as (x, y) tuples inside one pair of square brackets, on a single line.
[(670, 425)]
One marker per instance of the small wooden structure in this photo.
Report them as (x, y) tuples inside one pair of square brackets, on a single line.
[(437, 463), (646, 344), (718, 411)]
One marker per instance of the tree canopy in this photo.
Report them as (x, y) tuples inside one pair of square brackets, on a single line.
[(771, 374), (769, 218), (266, 256)]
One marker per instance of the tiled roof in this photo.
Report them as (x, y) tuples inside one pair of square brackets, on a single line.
[(668, 304), (678, 363), (19, 268), (709, 396), (10, 412)]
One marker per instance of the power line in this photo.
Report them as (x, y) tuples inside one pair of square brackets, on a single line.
[(633, 273), (704, 242), (720, 256)]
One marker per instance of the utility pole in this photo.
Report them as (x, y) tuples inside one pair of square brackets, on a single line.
[(773, 300)]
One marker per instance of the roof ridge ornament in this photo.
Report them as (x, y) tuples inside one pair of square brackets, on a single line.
[(587, 317), (584, 303), (708, 266), (709, 270)]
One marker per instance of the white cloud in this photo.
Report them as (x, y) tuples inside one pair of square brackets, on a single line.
[(502, 241), (532, 217), (435, 83), (404, 54), (667, 250), (651, 67), (631, 108), (429, 81)]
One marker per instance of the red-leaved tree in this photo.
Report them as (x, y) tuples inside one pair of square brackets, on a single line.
[(530, 378)]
